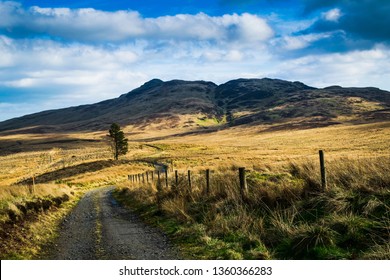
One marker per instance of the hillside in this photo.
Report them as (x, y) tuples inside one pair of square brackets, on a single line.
[(190, 105)]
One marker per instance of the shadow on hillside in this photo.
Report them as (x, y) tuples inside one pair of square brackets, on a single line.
[(193, 132), (300, 125), (70, 171), (8, 147)]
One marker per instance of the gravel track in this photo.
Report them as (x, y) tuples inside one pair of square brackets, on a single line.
[(100, 228)]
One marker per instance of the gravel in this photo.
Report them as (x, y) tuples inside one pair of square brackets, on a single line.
[(100, 228)]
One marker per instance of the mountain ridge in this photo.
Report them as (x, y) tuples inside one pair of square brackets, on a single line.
[(203, 104)]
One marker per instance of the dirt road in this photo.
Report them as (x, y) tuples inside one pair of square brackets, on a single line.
[(99, 228)]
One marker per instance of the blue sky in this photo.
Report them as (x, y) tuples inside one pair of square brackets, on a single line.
[(56, 54)]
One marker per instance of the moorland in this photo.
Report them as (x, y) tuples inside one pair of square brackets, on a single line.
[(271, 127)]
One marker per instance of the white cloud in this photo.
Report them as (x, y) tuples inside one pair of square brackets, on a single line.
[(90, 25), (247, 27), (332, 15), (200, 27), (234, 55), (46, 55), (352, 69), (21, 83), (297, 42)]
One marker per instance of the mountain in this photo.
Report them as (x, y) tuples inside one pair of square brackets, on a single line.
[(201, 105)]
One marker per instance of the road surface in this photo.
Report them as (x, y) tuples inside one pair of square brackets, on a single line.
[(100, 228)]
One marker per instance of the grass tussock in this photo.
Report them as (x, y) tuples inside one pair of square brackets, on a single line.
[(283, 215)]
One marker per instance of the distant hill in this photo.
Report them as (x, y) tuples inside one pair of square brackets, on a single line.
[(199, 104)]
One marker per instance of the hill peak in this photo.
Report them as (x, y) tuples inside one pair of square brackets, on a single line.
[(152, 83)]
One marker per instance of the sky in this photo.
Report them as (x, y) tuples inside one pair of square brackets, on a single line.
[(56, 54)]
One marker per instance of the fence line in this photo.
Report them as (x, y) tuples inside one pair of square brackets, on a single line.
[(242, 178)]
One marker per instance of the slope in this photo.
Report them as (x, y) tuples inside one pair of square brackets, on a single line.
[(190, 105)]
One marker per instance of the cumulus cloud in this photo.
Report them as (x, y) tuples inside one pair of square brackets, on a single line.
[(90, 25)]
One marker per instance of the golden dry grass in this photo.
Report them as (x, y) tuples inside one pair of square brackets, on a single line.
[(259, 148), (285, 215), (75, 161), (281, 215), (264, 147)]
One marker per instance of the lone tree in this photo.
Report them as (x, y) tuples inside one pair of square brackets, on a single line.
[(118, 141)]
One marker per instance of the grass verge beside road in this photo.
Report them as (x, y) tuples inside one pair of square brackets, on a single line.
[(283, 216)]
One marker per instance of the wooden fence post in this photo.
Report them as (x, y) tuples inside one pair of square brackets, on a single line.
[(323, 170), (159, 191), (147, 176), (189, 190), (143, 178), (158, 180), (152, 176), (207, 181), (176, 178), (189, 179), (166, 178), (243, 185)]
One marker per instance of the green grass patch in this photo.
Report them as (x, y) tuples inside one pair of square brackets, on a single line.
[(206, 122)]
